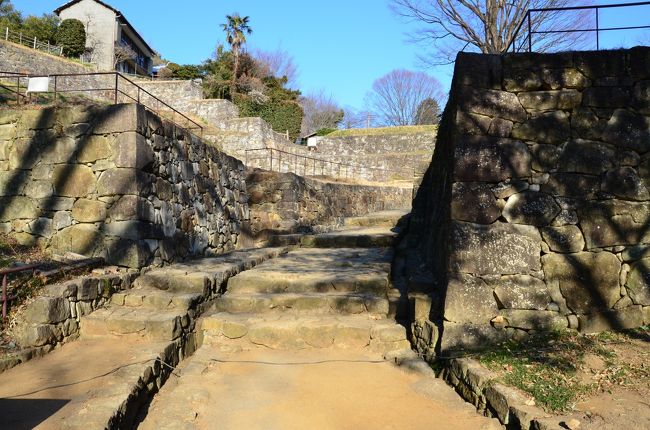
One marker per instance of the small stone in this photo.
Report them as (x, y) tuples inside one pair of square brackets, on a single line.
[(572, 424)]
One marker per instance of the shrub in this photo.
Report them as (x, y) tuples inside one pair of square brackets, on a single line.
[(282, 115), (71, 35)]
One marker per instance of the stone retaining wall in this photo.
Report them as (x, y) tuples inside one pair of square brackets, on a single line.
[(116, 182), (53, 318), (286, 203), (21, 59), (534, 213)]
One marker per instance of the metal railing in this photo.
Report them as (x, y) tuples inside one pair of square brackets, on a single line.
[(6, 298), (111, 87), (532, 26), (31, 42), (278, 160)]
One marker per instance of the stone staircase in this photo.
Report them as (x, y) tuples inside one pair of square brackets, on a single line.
[(332, 292)]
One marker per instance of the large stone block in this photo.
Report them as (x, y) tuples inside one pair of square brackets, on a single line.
[(474, 202), (535, 320), (572, 185), (642, 97), (133, 151), (85, 210), (582, 156), (601, 64), (489, 159), (128, 253), (625, 183), (461, 336), (479, 70), (93, 148), (17, 207), (628, 130), (532, 208), (124, 181), (131, 207), (469, 299), (133, 229), (563, 239), (80, 238), (614, 222), (586, 124), (587, 280), (48, 310), (74, 180), (521, 292), (119, 118), (638, 283), (630, 317), (551, 127), (492, 103), (37, 335), (496, 249), (550, 100), (607, 97), (545, 157)]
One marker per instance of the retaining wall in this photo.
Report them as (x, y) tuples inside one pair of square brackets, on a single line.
[(534, 213), (21, 59)]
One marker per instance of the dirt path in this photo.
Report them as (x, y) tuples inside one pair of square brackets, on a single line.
[(263, 389)]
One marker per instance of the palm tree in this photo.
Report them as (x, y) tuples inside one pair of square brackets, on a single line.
[(236, 29)]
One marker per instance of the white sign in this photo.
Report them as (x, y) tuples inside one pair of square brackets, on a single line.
[(38, 85)]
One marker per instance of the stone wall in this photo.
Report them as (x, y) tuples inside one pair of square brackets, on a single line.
[(286, 203), (534, 213), (21, 59), (53, 318), (177, 93), (117, 182)]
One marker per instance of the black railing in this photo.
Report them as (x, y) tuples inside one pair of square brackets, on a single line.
[(532, 25), (111, 87)]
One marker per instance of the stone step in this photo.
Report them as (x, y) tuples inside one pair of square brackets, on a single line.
[(151, 298), (305, 303), (376, 219), (316, 270), (149, 324), (361, 237), (291, 332)]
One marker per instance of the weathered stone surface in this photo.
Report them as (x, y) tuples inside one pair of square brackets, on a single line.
[(563, 239), (550, 100), (469, 300), (130, 207), (37, 335), (80, 238), (532, 208), (74, 180), (587, 280), (545, 157), (119, 118), (124, 181), (571, 185), (628, 130), (642, 97), (630, 317), (535, 319), (48, 310), (614, 222), (133, 151), (479, 70), (39, 189), (474, 202), (607, 97), (551, 127), (17, 207), (129, 253), (492, 103), (460, 336), (40, 227), (582, 156), (586, 124), (497, 249), (625, 182), (521, 292), (638, 283), (93, 148), (487, 159), (505, 189), (85, 210)]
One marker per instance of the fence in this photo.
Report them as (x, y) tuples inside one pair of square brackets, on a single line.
[(281, 161), (578, 27), (107, 87)]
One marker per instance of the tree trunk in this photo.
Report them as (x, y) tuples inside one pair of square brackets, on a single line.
[(234, 75)]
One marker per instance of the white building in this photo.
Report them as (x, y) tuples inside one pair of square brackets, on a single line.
[(106, 28)]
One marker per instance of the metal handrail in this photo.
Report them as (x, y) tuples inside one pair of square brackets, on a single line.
[(527, 20), (113, 88), (6, 272), (347, 167)]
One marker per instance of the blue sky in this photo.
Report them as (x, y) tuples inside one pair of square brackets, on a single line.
[(340, 46)]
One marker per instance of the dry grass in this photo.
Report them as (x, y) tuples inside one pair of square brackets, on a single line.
[(385, 131)]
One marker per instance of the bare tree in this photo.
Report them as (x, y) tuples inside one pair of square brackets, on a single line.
[(123, 53), (353, 118), (489, 26), (396, 96), (278, 63), (320, 111)]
